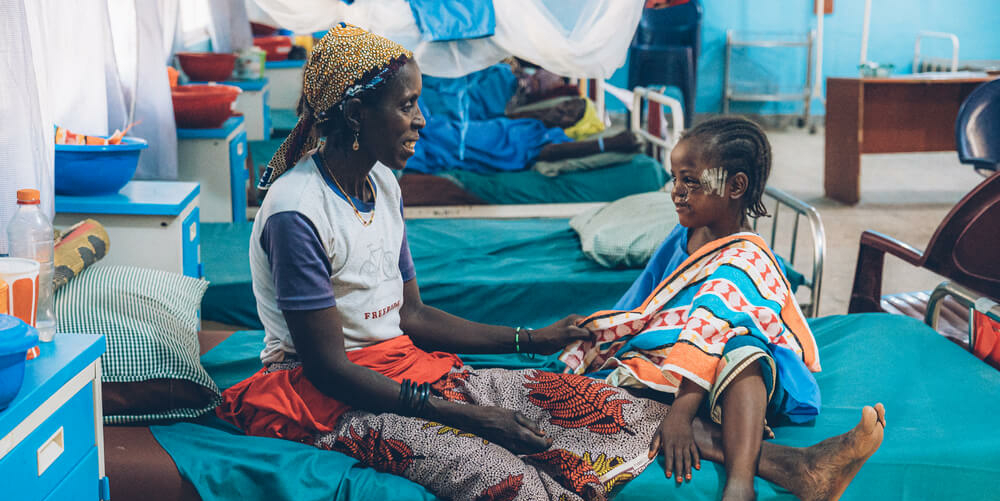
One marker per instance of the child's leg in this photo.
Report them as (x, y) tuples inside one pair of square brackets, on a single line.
[(743, 407), (819, 472)]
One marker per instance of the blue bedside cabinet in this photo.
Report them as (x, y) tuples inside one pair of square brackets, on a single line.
[(52, 434), (253, 103), (216, 160), (151, 224)]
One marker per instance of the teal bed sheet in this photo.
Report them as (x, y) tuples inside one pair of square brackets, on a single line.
[(641, 175), (940, 443), (530, 272)]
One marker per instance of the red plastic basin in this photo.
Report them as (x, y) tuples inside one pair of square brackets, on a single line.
[(277, 47), (206, 66), (262, 30), (203, 106)]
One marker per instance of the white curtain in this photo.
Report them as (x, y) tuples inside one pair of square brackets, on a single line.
[(144, 36), (230, 26), (583, 38), (26, 151)]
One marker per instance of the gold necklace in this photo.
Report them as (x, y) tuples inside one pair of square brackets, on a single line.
[(350, 201)]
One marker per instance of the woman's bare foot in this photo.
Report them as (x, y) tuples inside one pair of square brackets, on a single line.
[(829, 466), (739, 492)]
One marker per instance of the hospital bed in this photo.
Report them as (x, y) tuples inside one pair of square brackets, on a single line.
[(940, 443), (501, 270), (529, 194)]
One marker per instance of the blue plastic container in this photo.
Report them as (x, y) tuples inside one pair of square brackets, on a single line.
[(85, 170), (16, 338)]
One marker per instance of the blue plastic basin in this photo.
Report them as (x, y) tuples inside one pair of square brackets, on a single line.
[(16, 338), (84, 170)]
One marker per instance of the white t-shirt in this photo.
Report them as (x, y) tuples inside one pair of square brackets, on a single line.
[(364, 260)]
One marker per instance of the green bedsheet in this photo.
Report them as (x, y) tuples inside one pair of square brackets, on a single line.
[(941, 440), (531, 272), (528, 272), (641, 175)]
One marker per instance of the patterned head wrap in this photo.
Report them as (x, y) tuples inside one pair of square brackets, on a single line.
[(346, 62)]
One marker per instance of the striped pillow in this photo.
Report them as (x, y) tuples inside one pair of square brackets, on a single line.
[(150, 319)]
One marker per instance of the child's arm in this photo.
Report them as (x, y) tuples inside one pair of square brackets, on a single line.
[(675, 437)]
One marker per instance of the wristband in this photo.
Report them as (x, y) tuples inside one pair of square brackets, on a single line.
[(600, 144), (517, 340)]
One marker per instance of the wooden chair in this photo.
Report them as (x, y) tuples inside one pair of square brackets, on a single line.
[(965, 249)]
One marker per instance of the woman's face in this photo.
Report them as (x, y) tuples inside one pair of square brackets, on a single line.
[(390, 128)]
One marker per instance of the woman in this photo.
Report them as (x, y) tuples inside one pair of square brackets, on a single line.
[(344, 361)]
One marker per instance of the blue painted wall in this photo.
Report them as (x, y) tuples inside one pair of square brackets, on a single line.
[(894, 26)]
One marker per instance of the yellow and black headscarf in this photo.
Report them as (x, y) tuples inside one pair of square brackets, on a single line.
[(346, 62)]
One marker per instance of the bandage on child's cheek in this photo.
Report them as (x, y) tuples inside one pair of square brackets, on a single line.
[(714, 181)]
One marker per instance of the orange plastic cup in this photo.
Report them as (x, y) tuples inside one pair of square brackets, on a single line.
[(21, 278)]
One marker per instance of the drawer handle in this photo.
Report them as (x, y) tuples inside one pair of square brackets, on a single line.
[(50, 451)]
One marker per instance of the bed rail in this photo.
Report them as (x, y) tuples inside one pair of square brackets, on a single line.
[(788, 245), (661, 149)]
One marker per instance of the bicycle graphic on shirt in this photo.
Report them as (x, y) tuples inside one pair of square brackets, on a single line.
[(380, 262)]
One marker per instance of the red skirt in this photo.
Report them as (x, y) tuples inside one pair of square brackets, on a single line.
[(284, 404)]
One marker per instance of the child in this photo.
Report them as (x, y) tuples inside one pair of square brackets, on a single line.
[(711, 320)]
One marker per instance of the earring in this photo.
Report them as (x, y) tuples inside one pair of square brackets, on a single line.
[(356, 145)]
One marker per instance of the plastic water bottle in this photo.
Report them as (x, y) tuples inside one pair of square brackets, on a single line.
[(30, 235)]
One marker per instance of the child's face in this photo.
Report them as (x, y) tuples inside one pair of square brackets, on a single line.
[(700, 192)]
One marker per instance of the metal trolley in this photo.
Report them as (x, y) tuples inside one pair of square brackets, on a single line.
[(805, 94)]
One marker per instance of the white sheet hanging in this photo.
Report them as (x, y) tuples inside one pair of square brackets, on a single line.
[(588, 40), (229, 28), (143, 48), (74, 46), (26, 149)]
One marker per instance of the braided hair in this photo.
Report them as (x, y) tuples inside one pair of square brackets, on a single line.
[(737, 145)]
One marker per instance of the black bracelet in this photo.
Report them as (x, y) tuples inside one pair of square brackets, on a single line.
[(531, 343), (400, 403), (425, 391)]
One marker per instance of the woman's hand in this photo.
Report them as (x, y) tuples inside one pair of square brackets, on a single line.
[(555, 337), (675, 440), (506, 428)]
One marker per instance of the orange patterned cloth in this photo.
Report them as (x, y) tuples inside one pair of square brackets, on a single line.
[(347, 61)]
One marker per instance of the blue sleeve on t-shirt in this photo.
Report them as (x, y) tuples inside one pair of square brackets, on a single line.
[(299, 264)]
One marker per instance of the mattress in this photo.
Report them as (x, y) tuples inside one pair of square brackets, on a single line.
[(531, 272), (941, 441)]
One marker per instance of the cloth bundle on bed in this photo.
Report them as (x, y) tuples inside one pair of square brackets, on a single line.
[(940, 443)]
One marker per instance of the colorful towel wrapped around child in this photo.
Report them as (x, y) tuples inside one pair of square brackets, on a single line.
[(730, 287)]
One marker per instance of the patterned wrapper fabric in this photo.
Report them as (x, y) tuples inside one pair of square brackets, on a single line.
[(730, 287), (347, 61)]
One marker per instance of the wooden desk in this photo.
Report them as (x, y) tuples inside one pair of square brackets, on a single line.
[(913, 113)]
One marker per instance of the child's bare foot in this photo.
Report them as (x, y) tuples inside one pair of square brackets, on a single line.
[(830, 465)]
